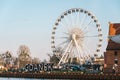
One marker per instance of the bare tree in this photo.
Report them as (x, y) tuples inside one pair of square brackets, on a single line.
[(24, 53), (24, 56), (7, 59), (1, 60), (36, 60), (56, 56), (54, 59)]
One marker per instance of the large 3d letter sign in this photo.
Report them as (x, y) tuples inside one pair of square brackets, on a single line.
[(39, 67)]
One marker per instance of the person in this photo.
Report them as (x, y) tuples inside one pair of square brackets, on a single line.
[(115, 68)]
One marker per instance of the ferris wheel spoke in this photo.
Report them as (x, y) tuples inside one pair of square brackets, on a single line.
[(66, 33), (61, 36), (83, 52), (86, 53), (93, 34), (83, 20), (64, 26), (88, 50), (69, 23), (64, 46), (63, 43), (71, 20), (75, 19), (64, 37), (66, 21), (85, 35), (89, 36), (78, 19), (86, 26)]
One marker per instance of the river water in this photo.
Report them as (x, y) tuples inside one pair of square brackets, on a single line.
[(1, 78)]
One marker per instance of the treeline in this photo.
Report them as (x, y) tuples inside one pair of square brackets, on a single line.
[(8, 60)]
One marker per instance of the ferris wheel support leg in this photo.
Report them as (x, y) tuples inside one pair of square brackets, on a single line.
[(71, 55), (79, 56), (83, 51), (66, 57), (87, 51), (68, 53), (77, 48), (62, 59)]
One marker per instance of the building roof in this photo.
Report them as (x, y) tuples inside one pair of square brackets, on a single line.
[(115, 38)]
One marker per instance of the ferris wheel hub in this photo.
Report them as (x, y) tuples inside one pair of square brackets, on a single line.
[(76, 34)]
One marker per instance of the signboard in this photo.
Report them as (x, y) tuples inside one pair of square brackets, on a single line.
[(39, 67)]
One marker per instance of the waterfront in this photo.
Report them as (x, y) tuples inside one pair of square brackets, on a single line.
[(2, 78), (19, 79)]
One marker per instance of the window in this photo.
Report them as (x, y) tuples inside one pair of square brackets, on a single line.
[(116, 61), (115, 53)]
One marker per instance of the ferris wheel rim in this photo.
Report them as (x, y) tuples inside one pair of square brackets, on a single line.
[(70, 11)]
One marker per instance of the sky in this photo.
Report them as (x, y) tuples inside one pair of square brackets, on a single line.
[(30, 22)]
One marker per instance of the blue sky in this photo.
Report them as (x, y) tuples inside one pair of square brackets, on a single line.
[(30, 22)]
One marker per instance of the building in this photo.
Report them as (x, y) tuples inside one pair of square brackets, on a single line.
[(112, 54)]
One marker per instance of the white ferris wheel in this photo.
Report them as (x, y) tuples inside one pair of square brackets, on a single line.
[(78, 33)]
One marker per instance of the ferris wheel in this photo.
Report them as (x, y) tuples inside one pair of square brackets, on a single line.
[(79, 35)]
